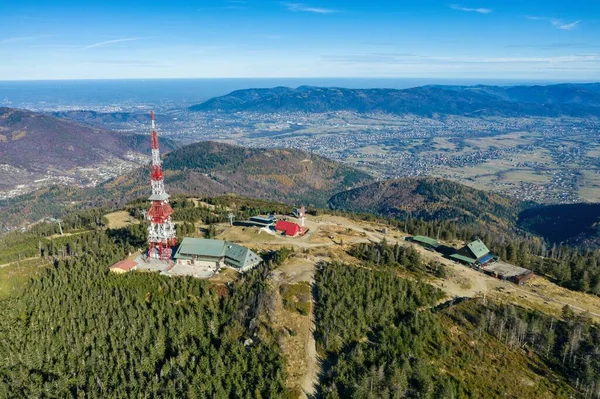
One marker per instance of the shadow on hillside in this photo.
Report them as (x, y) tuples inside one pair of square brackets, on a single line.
[(445, 250)]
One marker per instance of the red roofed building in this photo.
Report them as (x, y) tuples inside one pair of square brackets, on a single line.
[(123, 266), (289, 229)]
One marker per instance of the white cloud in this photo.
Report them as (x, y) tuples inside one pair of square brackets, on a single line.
[(398, 59), (299, 7), (557, 23), (129, 39), (468, 9)]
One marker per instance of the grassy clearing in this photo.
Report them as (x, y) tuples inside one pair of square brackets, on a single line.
[(589, 187), (507, 173), (372, 150), (117, 220), (293, 332), (497, 166), (525, 175), (225, 276), (299, 267), (501, 141), (296, 297), (246, 235), (595, 153), (442, 143), (15, 276)]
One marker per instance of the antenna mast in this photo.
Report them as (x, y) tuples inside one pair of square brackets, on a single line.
[(161, 233), (302, 214)]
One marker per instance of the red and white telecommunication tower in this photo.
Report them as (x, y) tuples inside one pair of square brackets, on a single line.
[(161, 235)]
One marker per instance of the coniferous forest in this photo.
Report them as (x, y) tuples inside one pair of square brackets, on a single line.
[(80, 331), (76, 330), (384, 337)]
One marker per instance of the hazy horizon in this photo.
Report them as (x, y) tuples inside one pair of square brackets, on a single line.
[(469, 81), (128, 94)]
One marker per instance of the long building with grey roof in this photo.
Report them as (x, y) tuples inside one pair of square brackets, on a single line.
[(211, 255)]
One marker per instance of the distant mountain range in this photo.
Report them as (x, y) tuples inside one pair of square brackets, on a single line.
[(576, 100), (33, 144)]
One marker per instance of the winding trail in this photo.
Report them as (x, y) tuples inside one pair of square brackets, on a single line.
[(548, 299), (462, 282), (310, 380), (17, 261)]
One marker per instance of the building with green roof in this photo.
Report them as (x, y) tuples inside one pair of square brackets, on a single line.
[(214, 254), (426, 242), (463, 259), (240, 258), (478, 249), (474, 253)]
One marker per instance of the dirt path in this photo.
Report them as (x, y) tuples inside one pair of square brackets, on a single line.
[(466, 282), (329, 232), (305, 371), (20, 260), (310, 380), (529, 291)]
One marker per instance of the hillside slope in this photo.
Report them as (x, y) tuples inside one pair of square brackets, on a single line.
[(576, 224), (554, 100), (35, 145), (33, 141), (211, 168), (204, 169), (108, 120), (428, 199)]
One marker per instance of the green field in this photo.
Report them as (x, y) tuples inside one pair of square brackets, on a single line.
[(16, 275)]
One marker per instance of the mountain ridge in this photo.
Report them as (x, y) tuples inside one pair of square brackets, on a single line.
[(25, 132), (576, 100), (34, 145), (571, 224), (435, 199), (293, 175), (297, 177), (429, 199), (103, 119), (207, 168)]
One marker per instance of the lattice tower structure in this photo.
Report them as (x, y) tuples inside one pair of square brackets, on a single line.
[(161, 232)]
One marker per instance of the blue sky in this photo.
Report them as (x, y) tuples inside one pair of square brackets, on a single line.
[(475, 39)]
